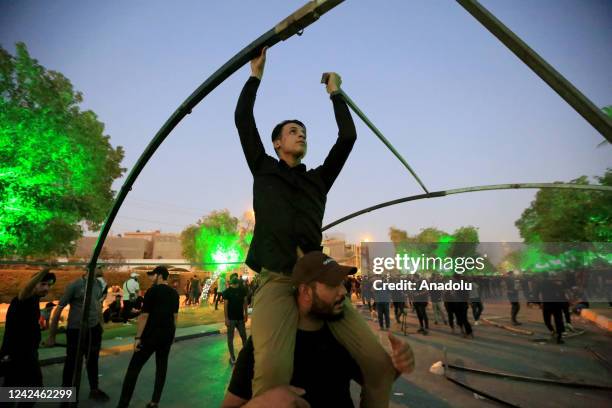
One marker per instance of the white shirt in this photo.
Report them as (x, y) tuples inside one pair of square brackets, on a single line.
[(130, 289)]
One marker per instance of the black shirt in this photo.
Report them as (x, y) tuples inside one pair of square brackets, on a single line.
[(321, 366), (289, 203), (161, 302), (22, 330), (233, 299)]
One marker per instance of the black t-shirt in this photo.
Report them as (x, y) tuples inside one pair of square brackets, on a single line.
[(161, 302), (321, 366), (234, 298)]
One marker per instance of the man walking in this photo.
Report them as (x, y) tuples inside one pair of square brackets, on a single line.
[(476, 302), (74, 295), (513, 297), (235, 308), (155, 334), (19, 352)]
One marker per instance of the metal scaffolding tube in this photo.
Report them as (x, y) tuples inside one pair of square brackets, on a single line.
[(543, 69), (515, 186), (382, 138)]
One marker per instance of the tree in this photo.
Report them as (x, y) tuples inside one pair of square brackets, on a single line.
[(217, 240), (569, 215), (432, 241), (56, 164), (397, 235)]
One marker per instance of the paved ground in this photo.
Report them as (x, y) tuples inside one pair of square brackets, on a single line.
[(199, 370)]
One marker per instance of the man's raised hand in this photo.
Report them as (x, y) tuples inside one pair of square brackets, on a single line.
[(332, 81), (258, 64)]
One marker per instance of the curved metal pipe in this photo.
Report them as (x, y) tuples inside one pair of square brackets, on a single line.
[(294, 24), (592, 187), (564, 88)]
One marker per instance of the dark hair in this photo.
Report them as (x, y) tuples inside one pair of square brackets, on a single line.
[(161, 270), (276, 132), (50, 278)]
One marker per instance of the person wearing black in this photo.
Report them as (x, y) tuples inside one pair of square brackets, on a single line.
[(399, 302), (476, 301), (195, 290), (450, 302), (513, 297), (235, 310), (155, 334), (19, 352), (551, 297), (322, 367), (382, 298), (113, 311), (289, 204), (461, 307), (74, 295), (420, 305)]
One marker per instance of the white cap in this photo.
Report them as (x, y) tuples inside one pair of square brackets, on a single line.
[(134, 275)]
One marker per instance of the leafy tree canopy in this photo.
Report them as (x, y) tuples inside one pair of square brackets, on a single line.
[(56, 164)]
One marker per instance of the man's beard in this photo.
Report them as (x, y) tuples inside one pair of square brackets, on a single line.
[(325, 311)]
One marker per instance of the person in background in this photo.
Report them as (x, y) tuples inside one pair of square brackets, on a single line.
[(551, 297), (383, 298), (113, 311), (436, 302), (513, 297), (235, 310), (476, 302), (154, 334), (45, 315), (462, 298), (366, 293), (19, 352), (131, 287), (195, 290), (420, 305), (348, 285), (74, 295), (399, 302)]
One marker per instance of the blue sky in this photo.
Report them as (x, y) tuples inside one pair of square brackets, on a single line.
[(460, 107)]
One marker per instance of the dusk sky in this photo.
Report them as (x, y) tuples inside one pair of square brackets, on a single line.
[(459, 106)]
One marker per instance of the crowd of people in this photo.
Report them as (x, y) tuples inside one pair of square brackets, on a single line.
[(555, 294)]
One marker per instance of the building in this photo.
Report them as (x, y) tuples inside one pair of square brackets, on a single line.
[(167, 246), (342, 252), (115, 247), (134, 245)]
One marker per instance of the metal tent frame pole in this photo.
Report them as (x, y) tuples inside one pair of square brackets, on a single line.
[(443, 193)]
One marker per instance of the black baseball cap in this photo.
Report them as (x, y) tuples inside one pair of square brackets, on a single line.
[(160, 270), (318, 267)]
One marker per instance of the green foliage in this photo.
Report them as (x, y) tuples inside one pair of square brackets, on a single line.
[(433, 235), (463, 242), (56, 164), (569, 215), (216, 240)]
